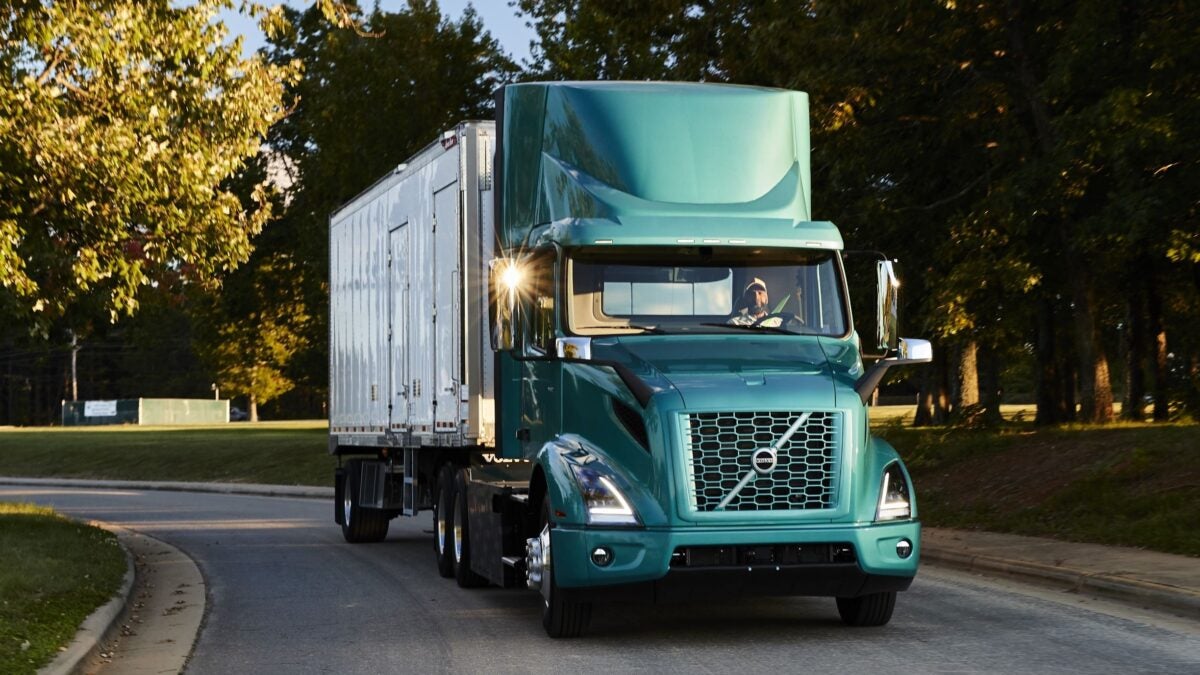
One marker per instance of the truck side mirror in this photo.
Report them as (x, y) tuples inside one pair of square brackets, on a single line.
[(875, 301), (887, 307), (504, 281)]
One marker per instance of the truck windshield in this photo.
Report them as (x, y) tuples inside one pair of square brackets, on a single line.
[(701, 289)]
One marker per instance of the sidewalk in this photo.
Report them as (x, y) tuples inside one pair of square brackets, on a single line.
[(1160, 581)]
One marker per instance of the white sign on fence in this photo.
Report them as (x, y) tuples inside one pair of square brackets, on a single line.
[(99, 408)]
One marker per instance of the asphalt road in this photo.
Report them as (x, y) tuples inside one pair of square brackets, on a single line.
[(287, 595)]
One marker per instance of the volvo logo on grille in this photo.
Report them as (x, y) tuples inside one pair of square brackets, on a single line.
[(764, 460)]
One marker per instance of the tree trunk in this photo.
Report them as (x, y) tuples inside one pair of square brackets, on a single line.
[(1095, 389), (964, 386), (253, 408), (1135, 355), (941, 395), (1158, 345), (1049, 382), (925, 384), (990, 393), (1066, 404)]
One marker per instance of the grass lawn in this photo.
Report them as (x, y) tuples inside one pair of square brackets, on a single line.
[(53, 573), (280, 453), (1124, 484)]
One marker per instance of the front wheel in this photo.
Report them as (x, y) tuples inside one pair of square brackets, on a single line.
[(867, 610), (562, 616)]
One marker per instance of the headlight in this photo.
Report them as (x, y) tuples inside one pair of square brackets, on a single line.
[(894, 501), (604, 502)]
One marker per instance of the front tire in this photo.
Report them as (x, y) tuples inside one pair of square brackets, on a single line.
[(867, 610), (562, 616), (360, 525)]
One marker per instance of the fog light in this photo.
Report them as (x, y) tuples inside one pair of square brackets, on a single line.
[(602, 557), (904, 548)]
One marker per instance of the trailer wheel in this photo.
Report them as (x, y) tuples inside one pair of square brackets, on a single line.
[(443, 512), (360, 525), (562, 617), (867, 610), (463, 574)]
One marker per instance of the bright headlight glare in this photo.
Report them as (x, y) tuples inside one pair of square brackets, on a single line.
[(604, 501), (510, 276), (894, 502)]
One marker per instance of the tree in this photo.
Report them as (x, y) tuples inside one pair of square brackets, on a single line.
[(255, 328), (119, 119), (363, 106)]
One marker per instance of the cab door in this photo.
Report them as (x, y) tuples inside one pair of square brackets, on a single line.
[(541, 371)]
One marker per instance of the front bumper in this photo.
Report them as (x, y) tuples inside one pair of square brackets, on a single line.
[(642, 560)]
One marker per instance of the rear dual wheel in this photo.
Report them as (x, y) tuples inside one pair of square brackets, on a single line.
[(451, 529), (443, 513)]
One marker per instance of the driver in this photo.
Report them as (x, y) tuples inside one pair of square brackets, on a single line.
[(754, 306)]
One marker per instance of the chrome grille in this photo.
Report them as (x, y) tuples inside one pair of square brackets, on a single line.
[(718, 447)]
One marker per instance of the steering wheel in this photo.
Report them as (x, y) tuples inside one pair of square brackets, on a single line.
[(785, 318)]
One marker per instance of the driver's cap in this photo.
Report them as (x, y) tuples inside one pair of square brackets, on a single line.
[(755, 283)]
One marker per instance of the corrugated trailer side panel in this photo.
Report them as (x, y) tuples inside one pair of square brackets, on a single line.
[(357, 307)]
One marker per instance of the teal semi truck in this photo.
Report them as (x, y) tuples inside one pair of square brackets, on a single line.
[(602, 340)]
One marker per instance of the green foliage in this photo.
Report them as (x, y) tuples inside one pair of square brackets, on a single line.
[(53, 574), (118, 122), (1016, 156)]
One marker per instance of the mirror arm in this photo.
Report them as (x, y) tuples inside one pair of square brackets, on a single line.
[(869, 382), (910, 351)]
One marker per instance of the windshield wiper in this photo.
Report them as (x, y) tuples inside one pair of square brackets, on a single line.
[(652, 329), (645, 329), (736, 326)]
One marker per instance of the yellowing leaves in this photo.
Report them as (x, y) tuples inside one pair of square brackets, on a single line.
[(141, 116)]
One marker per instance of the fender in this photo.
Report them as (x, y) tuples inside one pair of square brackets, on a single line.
[(563, 490)]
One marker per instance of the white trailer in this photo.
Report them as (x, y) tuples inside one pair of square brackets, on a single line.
[(410, 363)]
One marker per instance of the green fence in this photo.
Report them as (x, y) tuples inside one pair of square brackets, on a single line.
[(145, 411)]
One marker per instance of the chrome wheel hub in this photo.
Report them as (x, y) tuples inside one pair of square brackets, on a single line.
[(537, 561)]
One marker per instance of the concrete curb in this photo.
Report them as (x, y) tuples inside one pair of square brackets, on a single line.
[(1147, 594), (101, 625)]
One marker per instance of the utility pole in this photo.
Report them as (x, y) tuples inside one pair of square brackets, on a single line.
[(74, 374)]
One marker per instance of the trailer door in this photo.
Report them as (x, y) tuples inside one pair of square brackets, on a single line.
[(398, 347), (447, 277)]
